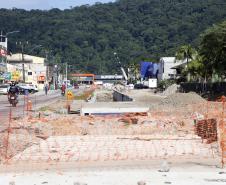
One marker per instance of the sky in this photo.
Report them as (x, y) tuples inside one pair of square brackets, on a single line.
[(46, 4)]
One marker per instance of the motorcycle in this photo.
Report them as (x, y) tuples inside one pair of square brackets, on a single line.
[(62, 93), (13, 99)]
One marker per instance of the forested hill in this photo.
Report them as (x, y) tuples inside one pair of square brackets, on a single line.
[(87, 36)]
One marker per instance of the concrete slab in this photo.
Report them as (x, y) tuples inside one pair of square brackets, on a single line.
[(112, 108)]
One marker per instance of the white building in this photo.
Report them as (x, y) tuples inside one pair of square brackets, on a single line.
[(166, 65)]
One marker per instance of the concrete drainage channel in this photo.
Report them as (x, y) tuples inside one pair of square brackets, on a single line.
[(120, 97), (122, 104)]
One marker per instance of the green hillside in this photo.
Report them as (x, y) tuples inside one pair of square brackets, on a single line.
[(87, 36)]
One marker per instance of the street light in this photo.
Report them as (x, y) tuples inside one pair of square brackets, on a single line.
[(4, 40), (55, 79), (6, 35), (11, 32)]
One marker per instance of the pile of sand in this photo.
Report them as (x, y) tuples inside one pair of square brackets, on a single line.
[(180, 99), (171, 90)]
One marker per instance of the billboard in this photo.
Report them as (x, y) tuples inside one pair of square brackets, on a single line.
[(149, 69)]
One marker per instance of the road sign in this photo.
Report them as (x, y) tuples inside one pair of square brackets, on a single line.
[(70, 95)]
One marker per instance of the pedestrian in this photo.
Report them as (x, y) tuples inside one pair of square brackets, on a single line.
[(46, 89)]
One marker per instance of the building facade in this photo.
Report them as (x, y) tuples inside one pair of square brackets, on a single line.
[(166, 68), (35, 69)]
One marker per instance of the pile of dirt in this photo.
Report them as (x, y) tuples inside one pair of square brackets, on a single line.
[(104, 96), (171, 90), (180, 99)]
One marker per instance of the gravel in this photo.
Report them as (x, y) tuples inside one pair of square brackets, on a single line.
[(179, 99)]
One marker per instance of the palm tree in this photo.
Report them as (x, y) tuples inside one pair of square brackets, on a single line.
[(187, 53)]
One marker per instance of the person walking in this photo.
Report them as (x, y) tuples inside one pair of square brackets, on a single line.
[(46, 88)]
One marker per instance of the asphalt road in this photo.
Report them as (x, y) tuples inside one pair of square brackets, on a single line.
[(37, 100)]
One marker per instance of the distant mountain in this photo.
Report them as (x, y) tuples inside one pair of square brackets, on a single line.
[(87, 36)]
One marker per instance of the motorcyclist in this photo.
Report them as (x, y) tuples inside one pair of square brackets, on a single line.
[(63, 88), (13, 90)]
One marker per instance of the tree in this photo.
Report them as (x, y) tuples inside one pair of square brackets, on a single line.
[(187, 53), (86, 36), (196, 68), (213, 50)]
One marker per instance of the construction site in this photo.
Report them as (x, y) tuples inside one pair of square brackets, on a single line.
[(101, 128)]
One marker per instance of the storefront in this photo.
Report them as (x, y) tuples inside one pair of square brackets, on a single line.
[(82, 78), (41, 81)]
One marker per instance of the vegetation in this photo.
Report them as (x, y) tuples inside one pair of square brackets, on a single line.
[(186, 53), (213, 51), (86, 37), (164, 84), (209, 63)]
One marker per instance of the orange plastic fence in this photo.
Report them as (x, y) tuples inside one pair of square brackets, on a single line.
[(28, 142)]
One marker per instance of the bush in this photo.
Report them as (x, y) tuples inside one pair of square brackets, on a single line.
[(164, 84)]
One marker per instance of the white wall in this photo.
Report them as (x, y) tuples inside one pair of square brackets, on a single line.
[(165, 65), (165, 71)]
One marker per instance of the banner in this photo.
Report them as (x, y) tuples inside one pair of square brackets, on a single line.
[(149, 69)]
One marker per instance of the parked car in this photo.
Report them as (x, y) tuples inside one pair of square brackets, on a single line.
[(34, 88), (140, 86), (4, 88), (23, 87)]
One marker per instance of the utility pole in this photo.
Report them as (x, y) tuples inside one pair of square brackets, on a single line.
[(47, 66), (22, 50), (22, 53), (66, 74), (22, 44)]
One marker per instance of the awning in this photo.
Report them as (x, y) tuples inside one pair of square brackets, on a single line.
[(179, 66)]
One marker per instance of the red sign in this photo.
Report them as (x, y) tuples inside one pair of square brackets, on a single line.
[(41, 78)]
